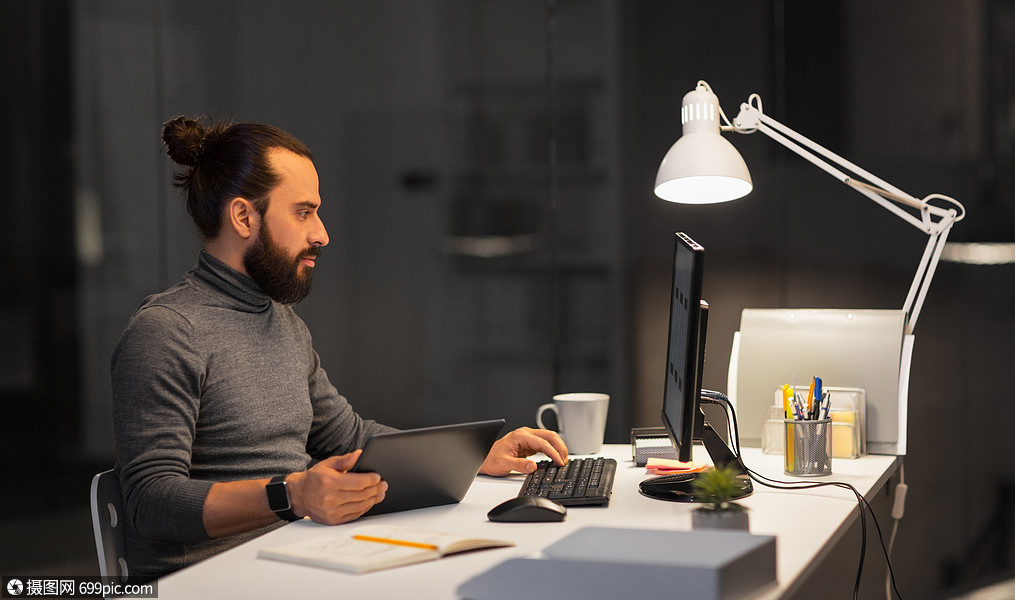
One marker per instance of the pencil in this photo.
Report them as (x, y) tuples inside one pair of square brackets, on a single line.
[(370, 538)]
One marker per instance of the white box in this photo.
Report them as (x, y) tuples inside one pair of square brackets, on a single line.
[(601, 562)]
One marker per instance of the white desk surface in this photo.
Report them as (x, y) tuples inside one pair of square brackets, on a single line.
[(807, 523)]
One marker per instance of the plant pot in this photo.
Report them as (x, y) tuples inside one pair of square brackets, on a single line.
[(720, 519)]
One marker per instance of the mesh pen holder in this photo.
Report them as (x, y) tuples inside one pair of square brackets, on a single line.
[(808, 447)]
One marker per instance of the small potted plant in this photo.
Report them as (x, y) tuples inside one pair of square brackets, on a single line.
[(717, 488)]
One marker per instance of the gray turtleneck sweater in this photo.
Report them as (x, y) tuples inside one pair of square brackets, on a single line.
[(214, 381)]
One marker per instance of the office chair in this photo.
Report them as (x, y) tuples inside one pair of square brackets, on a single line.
[(107, 525)]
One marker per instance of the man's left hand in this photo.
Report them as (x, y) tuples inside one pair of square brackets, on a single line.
[(510, 452)]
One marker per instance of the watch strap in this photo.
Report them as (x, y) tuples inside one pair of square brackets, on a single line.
[(278, 499)]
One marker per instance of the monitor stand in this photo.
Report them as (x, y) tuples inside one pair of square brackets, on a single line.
[(680, 487)]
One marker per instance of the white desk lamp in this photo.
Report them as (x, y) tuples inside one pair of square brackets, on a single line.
[(702, 167)]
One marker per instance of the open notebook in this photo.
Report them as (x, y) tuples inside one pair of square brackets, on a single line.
[(373, 547)]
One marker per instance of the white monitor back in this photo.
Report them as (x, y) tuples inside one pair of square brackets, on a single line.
[(867, 349)]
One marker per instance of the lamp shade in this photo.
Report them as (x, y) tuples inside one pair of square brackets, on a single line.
[(702, 167)]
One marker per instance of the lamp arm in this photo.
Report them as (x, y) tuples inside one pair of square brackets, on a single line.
[(925, 272), (751, 119)]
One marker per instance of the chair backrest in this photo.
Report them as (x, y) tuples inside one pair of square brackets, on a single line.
[(107, 525)]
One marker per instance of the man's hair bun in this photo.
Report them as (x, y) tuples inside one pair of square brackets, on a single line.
[(184, 139)]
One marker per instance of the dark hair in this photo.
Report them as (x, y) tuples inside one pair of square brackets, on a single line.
[(224, 161)]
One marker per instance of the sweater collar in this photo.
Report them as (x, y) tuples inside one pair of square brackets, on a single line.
[(231, 283)]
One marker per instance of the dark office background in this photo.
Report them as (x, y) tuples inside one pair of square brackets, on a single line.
[(487, 170)]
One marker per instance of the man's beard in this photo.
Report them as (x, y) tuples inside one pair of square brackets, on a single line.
[(277, 273)]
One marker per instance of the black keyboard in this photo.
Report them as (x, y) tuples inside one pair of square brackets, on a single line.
[(581, 482)]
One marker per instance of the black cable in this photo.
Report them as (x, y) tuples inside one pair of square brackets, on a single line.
[(806, 485), (717, 398), (731, 425)]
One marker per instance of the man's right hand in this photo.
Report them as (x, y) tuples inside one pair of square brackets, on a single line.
[(330, 494)]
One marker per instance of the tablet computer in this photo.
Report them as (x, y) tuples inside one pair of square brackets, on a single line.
[(428, 466)]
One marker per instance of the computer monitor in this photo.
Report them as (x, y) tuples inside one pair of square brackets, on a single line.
[(685, 350), (682, 417)]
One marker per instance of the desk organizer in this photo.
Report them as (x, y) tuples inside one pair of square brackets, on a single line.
[(810, 453), (650, 442), (848, 415)]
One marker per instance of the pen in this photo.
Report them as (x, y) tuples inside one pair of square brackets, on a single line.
[(798, 410), (370, 538), (787, 393), (810, 393)]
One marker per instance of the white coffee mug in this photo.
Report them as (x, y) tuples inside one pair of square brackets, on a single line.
[(581, 418)]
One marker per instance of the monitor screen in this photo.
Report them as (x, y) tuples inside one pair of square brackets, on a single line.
[(686, 347)]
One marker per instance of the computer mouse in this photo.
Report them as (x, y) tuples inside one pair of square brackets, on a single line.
[(527, 509)]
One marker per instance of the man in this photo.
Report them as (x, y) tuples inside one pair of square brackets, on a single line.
[(216, 386)]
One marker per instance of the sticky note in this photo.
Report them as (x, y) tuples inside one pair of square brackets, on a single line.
[(844, 434), (666, 466)]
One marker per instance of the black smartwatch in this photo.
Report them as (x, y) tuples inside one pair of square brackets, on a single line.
[(278, 499)]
